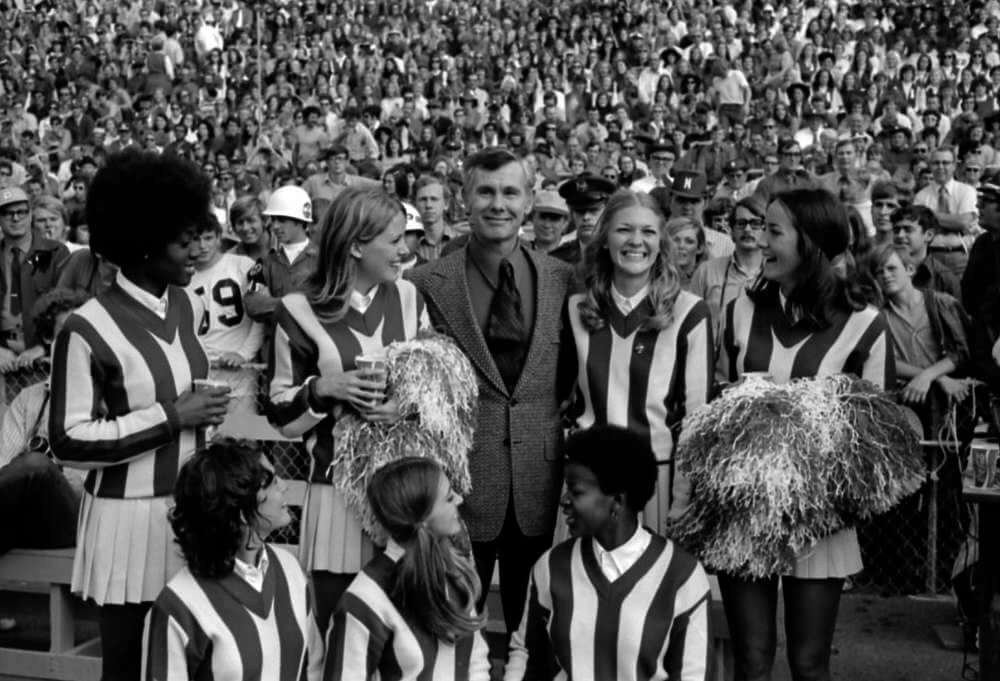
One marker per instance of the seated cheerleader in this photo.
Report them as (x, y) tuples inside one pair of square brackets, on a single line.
[(615, 602), (411, 612), (240, 609)]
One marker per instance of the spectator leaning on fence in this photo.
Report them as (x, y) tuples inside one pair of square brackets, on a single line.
[(133, 350)]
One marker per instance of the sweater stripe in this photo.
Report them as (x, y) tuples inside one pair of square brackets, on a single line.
[(241, 627)]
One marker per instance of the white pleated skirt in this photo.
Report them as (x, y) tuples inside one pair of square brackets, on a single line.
[(125, 550), (330, 535), (834, 557)]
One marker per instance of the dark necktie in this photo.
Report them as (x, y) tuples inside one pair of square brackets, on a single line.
[(15, 282), (506, 336)]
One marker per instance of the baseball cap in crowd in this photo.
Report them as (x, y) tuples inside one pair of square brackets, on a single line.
[(689, 184), (414, 225), (10, 195), (586, 191), (733, 167), (548, 201)]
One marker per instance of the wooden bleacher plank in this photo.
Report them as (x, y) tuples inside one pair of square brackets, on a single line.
[(32, 664)]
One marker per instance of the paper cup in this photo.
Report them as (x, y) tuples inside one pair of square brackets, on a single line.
[(201, 385), (375, 368), (983, 463)]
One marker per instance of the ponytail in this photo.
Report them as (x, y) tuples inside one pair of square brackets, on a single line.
[(436, 585)]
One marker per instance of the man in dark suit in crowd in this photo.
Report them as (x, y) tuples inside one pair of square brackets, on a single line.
[(501, 302)]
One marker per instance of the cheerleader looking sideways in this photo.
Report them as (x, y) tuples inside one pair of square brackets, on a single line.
[(122, 404), (411, 612), (801, 320), (617, 601), (353, 304), (240, 609)]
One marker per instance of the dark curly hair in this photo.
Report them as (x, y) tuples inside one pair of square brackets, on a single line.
[(214, 499), (141, 201), (632, 469)]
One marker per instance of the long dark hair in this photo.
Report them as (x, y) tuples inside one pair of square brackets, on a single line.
[(820, 292), (435, 584), (215, 500)]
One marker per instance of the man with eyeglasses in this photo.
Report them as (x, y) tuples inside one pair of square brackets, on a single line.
[(954, 205), (662, 155), (972, 169), (789, 175), (29, 266)]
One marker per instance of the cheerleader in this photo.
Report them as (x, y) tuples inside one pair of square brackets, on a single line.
[(411, 613), (354, 304), (240, 607), (801, 320), (643, 346), (121, 401)]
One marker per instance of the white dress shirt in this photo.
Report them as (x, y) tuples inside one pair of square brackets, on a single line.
[(626, 305), (616, 562)]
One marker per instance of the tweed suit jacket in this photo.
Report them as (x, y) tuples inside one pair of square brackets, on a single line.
[(517, 451)]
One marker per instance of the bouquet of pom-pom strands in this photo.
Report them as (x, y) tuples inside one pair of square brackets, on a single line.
[(436, 388), (774, 468)]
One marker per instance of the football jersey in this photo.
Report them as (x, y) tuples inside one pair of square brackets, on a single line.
[(225, 325)]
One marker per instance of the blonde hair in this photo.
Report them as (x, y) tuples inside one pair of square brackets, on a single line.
[(434, 583), (664, 281), (356, 216)]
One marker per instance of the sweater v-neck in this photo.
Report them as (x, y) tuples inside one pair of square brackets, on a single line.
[(621, 587), (257, 602)]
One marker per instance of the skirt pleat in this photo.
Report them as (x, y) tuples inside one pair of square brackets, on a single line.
[(834, 557), (125, 550), (331, 537)]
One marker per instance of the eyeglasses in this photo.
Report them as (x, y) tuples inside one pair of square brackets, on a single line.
[(661, 159), (15, 214), (793, 154), (755, 223), (628, 147)]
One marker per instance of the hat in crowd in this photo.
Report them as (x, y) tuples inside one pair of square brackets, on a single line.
[(689, 184), (788, 144), (9, 195), (290, 202), (586, 191), (989, 191), (543, 148), (893, 129), (660, 145), (548, 201), (413, 221), (734, 166)]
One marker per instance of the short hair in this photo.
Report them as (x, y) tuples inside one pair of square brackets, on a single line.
[(51, 204), (244, 206), (215, 498), (845, 142), (622, 461), (53, 303), (490, 159), (141, 201), (210, 224), (887, 189), (921, 215), (426, 180)]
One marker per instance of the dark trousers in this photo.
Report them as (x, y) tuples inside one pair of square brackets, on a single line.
[(121, 640), (34, 492), (328, 587), (810, 619), (517, 554)]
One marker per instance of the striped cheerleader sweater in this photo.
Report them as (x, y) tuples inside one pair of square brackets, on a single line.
[(305, 349), (225, 630), (370, 639), (117, 369), (650, 624)]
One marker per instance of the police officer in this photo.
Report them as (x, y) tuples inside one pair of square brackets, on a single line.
[(586, 194)]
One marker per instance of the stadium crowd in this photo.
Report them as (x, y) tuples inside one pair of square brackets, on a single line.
[(340, 143)]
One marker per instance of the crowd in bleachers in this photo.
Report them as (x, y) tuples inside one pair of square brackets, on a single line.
[(519, 162)]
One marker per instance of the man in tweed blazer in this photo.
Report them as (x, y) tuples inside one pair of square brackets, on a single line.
[(516, 458)]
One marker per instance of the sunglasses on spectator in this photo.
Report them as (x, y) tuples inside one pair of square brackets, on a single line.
[(18, 214), (755, 223)]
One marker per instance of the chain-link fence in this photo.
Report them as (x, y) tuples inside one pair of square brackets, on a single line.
[(910, 550), (246, 420)]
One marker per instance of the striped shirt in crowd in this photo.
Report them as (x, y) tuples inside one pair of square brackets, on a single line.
[(650, 624), (229, 630), (370, 638), (119, 363)]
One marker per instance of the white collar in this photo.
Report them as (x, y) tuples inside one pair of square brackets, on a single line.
[(292, 251), (393, 550), (626, 305), (252, 574), (156, 305), (362, 301), (616, 562)]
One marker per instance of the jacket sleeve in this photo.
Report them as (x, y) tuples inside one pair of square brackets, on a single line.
[(80, 432), (291, 372)]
